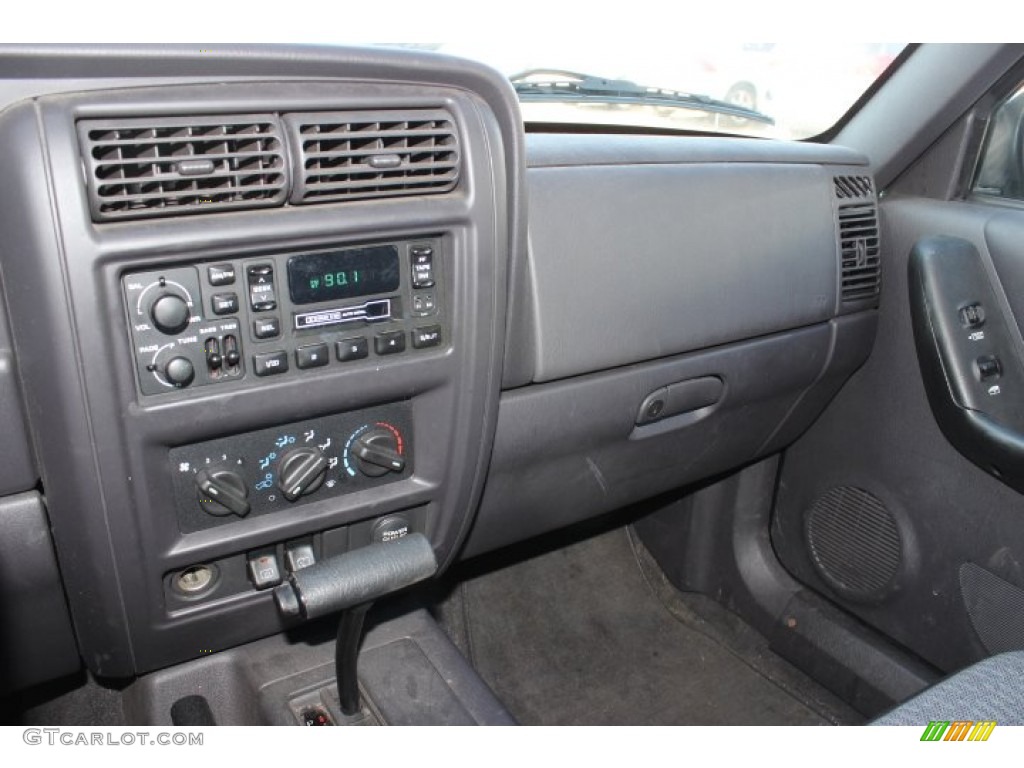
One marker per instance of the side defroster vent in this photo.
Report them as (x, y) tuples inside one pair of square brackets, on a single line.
[(853, 186), (358, 155), (165, 166), (857, 214)]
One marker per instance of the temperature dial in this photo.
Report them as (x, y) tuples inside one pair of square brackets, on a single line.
[(170, 314), (376, 453), (222, 492), (301, 472)]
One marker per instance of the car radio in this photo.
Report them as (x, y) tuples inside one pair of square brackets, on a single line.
[(256, 317)]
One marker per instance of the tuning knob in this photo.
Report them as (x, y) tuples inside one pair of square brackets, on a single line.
[(222, 492), (179, 371), (301, 471), (170, 313), (376, 453)]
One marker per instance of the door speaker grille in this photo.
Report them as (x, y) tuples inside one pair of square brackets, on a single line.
[(854, 543), (995, 606)]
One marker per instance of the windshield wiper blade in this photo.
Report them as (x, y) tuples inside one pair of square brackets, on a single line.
[(563, 85)]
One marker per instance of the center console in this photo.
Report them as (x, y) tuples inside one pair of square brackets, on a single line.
[(279, 335)]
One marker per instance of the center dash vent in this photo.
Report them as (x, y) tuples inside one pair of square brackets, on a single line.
[(358, 155), (164, 166), (858, 238)]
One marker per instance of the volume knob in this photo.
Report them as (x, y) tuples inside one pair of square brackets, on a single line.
[(170, 314)]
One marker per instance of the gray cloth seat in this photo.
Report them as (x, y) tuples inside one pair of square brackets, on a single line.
[(992, 689)]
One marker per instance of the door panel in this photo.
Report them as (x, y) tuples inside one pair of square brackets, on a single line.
[(876, 509), (969, 360)]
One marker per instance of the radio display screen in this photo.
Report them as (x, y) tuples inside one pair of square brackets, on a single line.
[(319, 277)]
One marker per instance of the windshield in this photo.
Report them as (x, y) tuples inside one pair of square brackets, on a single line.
[(779, 90)]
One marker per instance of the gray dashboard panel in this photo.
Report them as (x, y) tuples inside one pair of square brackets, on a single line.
[(569, 450), (557, 150), (637, 262), (17, 468), (36, 639)]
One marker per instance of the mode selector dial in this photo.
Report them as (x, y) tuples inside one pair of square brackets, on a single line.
[(301, 471), (376, 453), (170, 313), (222, 492)]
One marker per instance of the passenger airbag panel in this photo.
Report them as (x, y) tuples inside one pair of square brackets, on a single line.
[(638, 262)]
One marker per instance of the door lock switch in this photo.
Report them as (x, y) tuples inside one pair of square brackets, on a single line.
[(989, 367)]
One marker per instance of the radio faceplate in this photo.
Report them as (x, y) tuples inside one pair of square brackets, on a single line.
[(253, 318)]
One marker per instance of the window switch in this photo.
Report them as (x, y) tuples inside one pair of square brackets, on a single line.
[(989, 367), (972, 316)]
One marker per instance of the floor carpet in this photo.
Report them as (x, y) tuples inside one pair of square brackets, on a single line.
[(592, 634)]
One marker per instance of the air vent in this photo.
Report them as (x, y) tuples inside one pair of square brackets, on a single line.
[(165, 166), (858, 239), (853, 186), (358, 155)]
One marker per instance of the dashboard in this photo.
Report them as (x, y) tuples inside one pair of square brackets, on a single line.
[(268, 306)]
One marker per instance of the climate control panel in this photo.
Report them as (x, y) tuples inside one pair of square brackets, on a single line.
[(262, 472)]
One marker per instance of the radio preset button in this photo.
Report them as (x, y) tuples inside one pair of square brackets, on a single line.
[(266, 327), (352, 349), (221, 274), (389, 342), (270, 363), (312, 356), (225, 303)]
